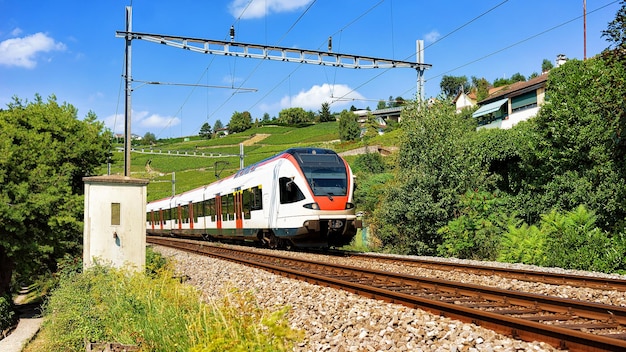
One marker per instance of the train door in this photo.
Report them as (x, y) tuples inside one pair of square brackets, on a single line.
[(218, 213), (190, 214), (179, 209), (239, 210)]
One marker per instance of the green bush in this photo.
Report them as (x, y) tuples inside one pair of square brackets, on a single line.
[(525, 244), (476, 232), (110, 305), (575, 242), (7, 314), (566, 240)]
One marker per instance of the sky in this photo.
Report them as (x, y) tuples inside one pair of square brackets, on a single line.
[(69, 49)]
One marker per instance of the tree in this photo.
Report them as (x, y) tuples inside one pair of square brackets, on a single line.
[(451, 85), (266, 118), (482, 87), (148, 138), (433, 169), (325, 115), (45, 151), (294, 116), (217, 126), (371, 127), (205, 131), (239, 122), (546, 65), (615, 33), (576, 152), (349, 129), (381, 105), (517, 77)]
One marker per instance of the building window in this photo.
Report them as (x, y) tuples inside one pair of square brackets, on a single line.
[(115, 213)]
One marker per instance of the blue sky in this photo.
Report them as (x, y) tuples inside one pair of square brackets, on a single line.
[(68, 48)]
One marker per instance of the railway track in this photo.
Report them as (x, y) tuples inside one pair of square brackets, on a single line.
[(600, 283), (563, 323)]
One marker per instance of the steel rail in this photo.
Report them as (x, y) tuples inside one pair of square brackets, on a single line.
[(520, 328), (601, 283)]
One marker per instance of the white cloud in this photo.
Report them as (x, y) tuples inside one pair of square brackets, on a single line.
[(22, 52), (247, 9), (312, 99), (141, 120), (432, 36)]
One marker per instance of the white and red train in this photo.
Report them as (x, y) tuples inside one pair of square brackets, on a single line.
[(300, 197)]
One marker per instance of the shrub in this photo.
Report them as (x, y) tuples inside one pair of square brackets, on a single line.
[(110, 305), (476, 232), (525, 244), (7, 314)]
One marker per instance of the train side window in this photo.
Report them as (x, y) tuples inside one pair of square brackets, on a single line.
[(209, 208), (247, 203), (197, 211), (231, 207), (224, 208), (257, 198), (289, 191)]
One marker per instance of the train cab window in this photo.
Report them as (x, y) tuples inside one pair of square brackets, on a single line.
[(289, 191)]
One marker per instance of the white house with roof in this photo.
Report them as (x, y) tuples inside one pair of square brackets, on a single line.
[(512, 104)]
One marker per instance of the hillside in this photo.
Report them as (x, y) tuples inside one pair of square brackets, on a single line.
[(184, 156)]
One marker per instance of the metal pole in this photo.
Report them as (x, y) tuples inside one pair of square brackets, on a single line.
[(584, 29), (173, 183), (420, 70), (127, 108), (240, 156)]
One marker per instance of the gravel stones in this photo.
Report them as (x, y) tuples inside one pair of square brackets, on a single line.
[(335, 320)]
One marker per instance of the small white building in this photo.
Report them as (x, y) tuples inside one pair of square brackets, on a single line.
[(115, 222)]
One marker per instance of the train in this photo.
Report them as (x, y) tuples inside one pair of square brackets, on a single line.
[(301, 197)]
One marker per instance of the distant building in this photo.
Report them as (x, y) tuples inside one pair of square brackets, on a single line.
[(512, 104)]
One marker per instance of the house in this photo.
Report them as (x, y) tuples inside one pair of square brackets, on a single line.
[(512, 104)]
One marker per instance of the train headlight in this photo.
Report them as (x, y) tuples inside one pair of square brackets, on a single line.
[(349, 205), (313, 206)]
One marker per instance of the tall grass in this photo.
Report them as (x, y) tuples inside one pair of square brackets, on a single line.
[(157, 313)]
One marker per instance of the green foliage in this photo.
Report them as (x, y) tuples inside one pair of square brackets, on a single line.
[(475, 233), (568, 240), (370, 190), (294, 116), (45, 151), (155, 262), (148, 139), (574, 154), (349, 129), (524, 244), (205, 131), (434, 167), (451, 85), (7, 314), (546, 65), (325, 114), (108, 305), (218, 125), (574, 242), (371, 163), (239, 122)]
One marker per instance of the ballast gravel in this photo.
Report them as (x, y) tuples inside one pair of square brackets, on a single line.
[(335, 320)]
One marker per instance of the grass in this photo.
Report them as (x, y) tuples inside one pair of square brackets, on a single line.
[(157, 313)]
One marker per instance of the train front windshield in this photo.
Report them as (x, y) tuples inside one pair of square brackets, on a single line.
[(326, 173)]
